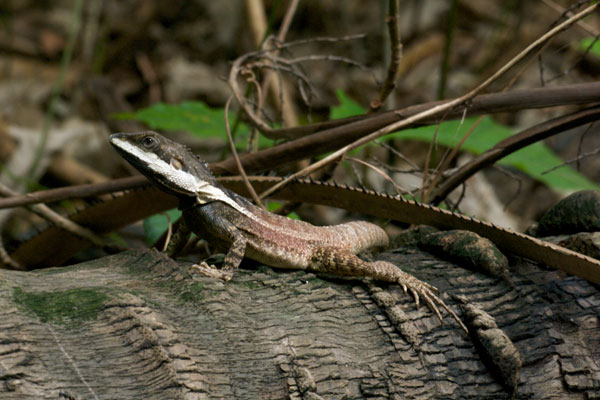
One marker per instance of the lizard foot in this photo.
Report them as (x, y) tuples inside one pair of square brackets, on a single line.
[(211, 271), (420, 289)]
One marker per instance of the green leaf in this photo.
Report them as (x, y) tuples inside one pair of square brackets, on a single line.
[(155, 225), (585, 44), (274, 205), (191, 116), (347, 107), (533, 159)]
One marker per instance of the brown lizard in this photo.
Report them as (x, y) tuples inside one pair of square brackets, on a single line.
[(53, 246), (231, 222)]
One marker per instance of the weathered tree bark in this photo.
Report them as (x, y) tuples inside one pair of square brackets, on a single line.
[(136, 326)]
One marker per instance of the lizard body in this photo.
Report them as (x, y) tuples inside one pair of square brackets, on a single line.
[(53, 246), (213, 212)]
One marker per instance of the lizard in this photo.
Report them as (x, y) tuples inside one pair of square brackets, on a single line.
[(53, 246), (235, 224)]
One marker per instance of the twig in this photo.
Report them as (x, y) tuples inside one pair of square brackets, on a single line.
[(237, 159), (580, 144), (446, 161), (256, 20), (398, 154), (7, 260), (568, 70), (512, 144), (252, 144), (582, 24), (322, 57), (396, 170), (388, 178), (169, 232), (437, 109), (287, 21), (318, 39), (450, 26), (45, 212), (71, 192), (427, 165), (392, 20), (236, 69), (573, 160), (516, 100), (515, 178), (57, 88), (286, 106), (269, 53)]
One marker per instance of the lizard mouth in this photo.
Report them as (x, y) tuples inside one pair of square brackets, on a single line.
[(170, 176), (155, 168)]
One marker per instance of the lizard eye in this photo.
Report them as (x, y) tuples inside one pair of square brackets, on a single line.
[(148, 142)]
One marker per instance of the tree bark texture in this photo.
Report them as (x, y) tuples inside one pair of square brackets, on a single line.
[(137, 326)]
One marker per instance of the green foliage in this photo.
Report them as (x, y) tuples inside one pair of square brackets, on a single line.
[(347, 107), (191, 116), (274, 205), (62, 307), (203, 121), (155, 225), (585, 44), (533, 159)]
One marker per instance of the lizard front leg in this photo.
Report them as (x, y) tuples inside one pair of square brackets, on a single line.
[(233, 258), (340, 262), (224, 232)]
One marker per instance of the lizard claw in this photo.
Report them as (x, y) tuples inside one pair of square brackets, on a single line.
[(404, 287), (426, 291), (211, 271), (415, 294)]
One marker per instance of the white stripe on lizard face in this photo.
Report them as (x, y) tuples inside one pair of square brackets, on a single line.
[(180, 180)]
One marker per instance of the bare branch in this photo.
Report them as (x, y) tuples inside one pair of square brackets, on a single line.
[(437, 110), (389, 85), (45, 212)]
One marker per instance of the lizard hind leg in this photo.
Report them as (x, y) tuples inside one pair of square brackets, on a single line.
[(417, 288), (343, 263)]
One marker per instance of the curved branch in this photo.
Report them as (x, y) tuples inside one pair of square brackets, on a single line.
[(512, 144)]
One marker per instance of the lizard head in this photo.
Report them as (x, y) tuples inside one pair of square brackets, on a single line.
[(170, 165)]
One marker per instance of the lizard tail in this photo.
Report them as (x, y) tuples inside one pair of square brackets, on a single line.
[(361, 236)]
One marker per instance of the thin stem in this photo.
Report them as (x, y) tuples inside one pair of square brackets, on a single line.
[(450, 26), (237, 159), (57, 89), (392, 20)]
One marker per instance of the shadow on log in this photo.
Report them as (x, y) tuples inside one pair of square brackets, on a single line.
[(136, 326)]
